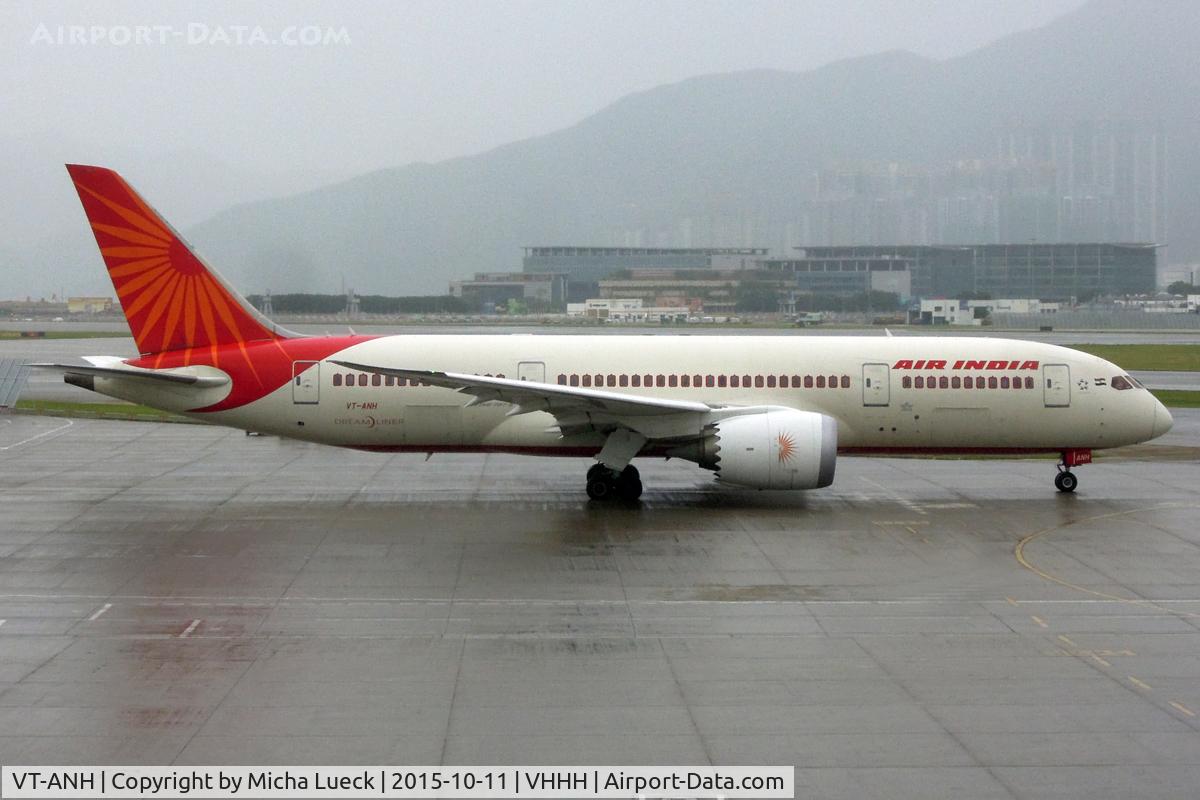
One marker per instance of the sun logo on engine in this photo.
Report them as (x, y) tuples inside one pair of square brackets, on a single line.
[(787, 447)]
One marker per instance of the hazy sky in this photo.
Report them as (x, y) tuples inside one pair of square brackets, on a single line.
[(420, 80)]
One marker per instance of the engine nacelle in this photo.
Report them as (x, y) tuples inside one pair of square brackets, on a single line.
[(781, 449)]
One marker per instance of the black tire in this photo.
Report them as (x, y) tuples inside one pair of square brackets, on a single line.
[(595, 470), (629, 489), (1066, 482), (601, 488)]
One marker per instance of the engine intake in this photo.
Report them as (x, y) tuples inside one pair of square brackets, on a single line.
[(782, 449)]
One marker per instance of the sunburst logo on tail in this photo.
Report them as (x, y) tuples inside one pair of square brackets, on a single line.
[(787, 447), (171, 299)]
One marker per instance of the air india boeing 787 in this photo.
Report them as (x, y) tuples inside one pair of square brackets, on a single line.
[(768, 412)]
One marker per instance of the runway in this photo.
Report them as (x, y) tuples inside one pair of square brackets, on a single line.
[(185, 594)]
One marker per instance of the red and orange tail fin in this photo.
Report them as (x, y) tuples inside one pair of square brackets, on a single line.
[(171, 298)]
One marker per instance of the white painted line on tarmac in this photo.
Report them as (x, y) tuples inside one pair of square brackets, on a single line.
[(99, 613), (2, 621), (62, 427), (195, 624)]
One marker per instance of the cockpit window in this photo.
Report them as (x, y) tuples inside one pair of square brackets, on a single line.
[(1136, 383), (1121, 382)]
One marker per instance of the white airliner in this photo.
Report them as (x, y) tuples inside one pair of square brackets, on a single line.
[(768, 412)]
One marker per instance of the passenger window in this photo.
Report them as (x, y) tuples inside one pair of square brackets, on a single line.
[(660, 381), (746, 381), (637, 380), (647, 380), (845, 381), (721, 381), (758, 381), (574, 379), (376, 379), (587, 380), (821, 381), (968, 382), (1028, 382), (709, 381), (685, 381), (735, 381), (992, 382), (1004, 382), (770, 381), (389, 380), (931, 383), (783, 381), (795, 381), (612, 380), (833, 381), (623, 380), (696, 381), (562, 380), (920, 382), (337, 379), (672, 381), (906, 382), (808, 382), (943, 382), (956, 382)]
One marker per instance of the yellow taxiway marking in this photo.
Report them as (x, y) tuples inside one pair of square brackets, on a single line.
[(1100, 660), (1182, 709), (916, 535), (1062, 637), (1041, 622), (1011, 602), (1140, 684), (1019, 553)]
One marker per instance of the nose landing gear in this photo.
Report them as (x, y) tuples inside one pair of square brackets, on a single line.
[(1065, 481)]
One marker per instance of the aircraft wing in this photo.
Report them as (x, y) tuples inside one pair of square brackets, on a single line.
[(574, 407)]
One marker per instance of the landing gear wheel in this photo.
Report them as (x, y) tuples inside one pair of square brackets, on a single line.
[(600, 485), (1066, 481), (629, 484), (604, 484)]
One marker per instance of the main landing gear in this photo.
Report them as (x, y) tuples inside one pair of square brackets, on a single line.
[(1065, 481), (605, 484)]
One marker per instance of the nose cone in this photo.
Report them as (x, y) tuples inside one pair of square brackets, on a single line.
[(1162, 420)]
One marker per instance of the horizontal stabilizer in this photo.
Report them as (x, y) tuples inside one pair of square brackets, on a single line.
[(162, 375)]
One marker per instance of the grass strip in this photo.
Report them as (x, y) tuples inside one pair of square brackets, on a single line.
[(127, 411), (1150, 357)]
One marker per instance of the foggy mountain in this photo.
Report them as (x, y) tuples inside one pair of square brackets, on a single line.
[(53, 237), (717, 160)]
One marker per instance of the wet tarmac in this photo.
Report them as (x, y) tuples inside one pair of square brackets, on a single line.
[(926, 629)]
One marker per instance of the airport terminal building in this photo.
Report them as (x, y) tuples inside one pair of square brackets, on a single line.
[(1045, 271), (585, 267)]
